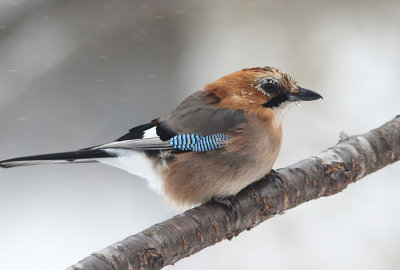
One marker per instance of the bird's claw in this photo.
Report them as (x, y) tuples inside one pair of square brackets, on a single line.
[(272, 171), (230, 202)]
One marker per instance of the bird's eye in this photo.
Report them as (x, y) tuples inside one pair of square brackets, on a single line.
[(270, 87)]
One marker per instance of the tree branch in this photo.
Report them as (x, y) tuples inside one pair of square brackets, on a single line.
[(322, 175)]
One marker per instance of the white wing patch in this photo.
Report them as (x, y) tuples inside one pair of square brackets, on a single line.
[(135, 163), (150, 133)]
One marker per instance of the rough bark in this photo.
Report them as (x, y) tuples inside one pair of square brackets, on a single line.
[(322, 175)]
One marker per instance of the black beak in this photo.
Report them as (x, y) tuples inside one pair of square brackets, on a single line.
[(304, 94)]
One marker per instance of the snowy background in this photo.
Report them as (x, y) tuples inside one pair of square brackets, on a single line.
[(79, 73)]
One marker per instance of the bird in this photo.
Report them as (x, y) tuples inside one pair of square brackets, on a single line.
[(213, 144)]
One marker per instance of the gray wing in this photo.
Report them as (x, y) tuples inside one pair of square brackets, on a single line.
[(198, 114)]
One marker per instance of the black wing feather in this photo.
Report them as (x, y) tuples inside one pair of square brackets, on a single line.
[(88, 155), (138, 132)]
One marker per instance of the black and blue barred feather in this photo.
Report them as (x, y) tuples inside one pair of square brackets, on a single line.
[(194, 142)]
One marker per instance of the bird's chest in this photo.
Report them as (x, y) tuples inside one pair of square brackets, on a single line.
[(268, 145), (254, 149), (259, 141)]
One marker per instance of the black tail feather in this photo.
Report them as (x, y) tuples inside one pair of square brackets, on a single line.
[(63, 157)]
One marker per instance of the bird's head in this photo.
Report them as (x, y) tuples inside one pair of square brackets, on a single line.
[(259, 89), (264, 86)]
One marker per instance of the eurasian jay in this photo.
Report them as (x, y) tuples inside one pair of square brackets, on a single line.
[(216, 142)]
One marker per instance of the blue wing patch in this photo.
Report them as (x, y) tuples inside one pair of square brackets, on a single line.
[(194, 142)]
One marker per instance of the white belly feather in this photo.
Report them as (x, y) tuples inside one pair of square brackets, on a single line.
[(135, 163)]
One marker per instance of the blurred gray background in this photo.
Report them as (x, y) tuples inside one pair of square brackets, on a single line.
[(79, 73)]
